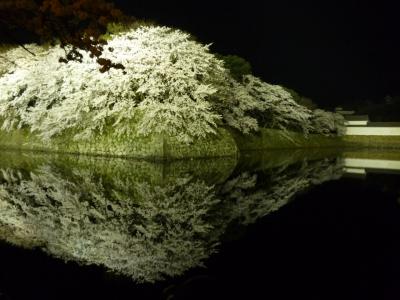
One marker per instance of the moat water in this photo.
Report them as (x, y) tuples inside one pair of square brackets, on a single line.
[(268, 225)]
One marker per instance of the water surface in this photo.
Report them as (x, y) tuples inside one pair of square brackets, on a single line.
[(277, 225)]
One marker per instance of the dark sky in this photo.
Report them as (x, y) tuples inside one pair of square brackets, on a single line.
[(334, 53)]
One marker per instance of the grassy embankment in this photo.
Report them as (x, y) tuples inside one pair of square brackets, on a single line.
[(372, 141), (277, 139), (154, 147), (225, 143)]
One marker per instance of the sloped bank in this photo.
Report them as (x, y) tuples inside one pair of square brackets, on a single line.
[(372, 141), (157, 147), (278, 139), (154, 147)]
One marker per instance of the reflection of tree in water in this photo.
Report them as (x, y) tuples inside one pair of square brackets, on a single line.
[(250, 196), (158, 231), (143, 229)]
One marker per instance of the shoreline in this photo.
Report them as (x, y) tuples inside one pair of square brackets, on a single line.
[(226, 143)]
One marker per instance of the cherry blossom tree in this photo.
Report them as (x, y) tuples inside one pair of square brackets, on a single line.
[(328, 123), (172, 86), (255, 103), (169, 79)]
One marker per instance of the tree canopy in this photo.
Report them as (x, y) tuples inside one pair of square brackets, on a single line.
[(77, 25), (173, 85), (169, 79), (237, 65)]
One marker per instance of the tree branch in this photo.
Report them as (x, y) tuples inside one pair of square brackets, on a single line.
[(15, 40)]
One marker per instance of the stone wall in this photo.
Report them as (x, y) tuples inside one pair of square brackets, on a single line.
[(226, 143), (154, 147)]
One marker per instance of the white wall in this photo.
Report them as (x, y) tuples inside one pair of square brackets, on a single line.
[(382, 164), (373, 131), (356, 123)]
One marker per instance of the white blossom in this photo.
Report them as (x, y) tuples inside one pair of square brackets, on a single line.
[(173, 86), (257, 103), (328, 123), (165, 88)]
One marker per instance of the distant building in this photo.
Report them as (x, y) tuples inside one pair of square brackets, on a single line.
[(360, 125)]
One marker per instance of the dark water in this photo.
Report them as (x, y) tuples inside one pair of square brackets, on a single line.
[(272, 225)]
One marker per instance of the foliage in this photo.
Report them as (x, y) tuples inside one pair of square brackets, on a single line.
[(307, 102), (173, 86), (236, 105), (328, 123), (114, 28), (304, 101), (258, 103), (77, 24), (237, 66), (169, 78), (6, 64)]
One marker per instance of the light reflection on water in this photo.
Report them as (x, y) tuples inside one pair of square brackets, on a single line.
[(150, 221), (142, 219)]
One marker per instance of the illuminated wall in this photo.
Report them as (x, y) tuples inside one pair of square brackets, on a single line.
[(393, 131), (381, 164), (356, 123)]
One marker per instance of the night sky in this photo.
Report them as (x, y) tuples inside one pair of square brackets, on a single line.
[(336, 54)]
